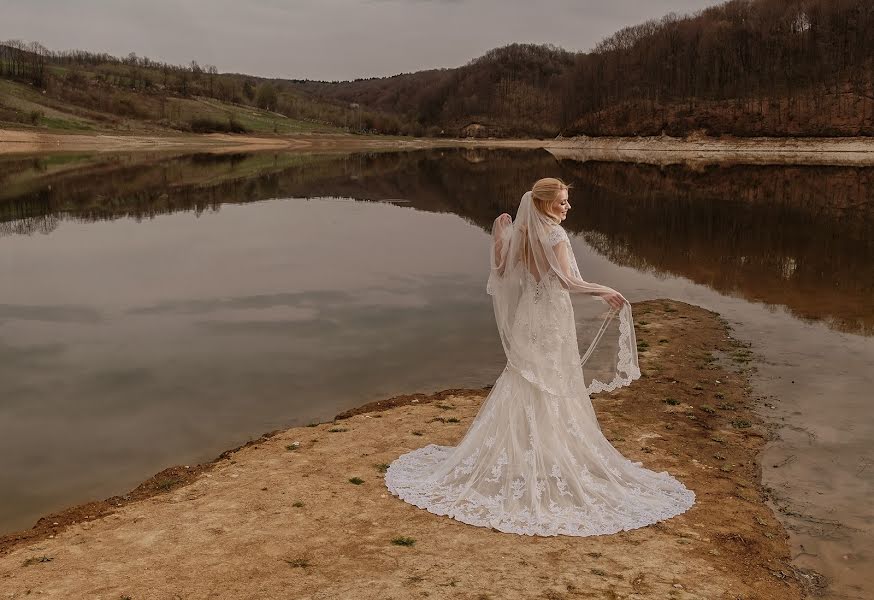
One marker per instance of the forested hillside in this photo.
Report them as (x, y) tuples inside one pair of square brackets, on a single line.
[(745, 68), (80, 90)]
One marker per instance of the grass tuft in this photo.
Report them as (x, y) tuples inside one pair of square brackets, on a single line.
[(403, 541), (298, 562)]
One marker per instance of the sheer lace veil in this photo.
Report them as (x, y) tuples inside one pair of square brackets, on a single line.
[(530, 250)]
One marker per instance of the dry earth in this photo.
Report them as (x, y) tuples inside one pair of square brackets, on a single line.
[(703, 150), (656, 150), (280, 518), (35, 142)]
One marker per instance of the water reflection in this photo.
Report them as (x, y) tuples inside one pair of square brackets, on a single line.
[(172, 308), (800, 237)]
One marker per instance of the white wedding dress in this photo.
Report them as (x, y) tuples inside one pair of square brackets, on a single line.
[(534, 460)]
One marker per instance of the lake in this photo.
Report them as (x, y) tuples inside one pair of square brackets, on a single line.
[(158, 309)]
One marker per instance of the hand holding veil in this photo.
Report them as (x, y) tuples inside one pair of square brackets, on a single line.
[(527, 252)]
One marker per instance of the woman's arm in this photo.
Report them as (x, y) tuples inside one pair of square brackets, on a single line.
[(577, 284), (499, 232)]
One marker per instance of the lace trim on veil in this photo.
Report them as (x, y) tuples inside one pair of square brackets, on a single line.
[(627, 371)]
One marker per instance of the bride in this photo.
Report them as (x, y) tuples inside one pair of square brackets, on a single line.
[(534, 460)]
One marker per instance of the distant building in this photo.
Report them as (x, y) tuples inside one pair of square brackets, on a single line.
[(474, 130)]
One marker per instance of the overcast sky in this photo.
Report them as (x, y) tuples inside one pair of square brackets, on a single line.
[(322, 39)]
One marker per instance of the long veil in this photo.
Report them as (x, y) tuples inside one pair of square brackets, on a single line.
[(530, 250)]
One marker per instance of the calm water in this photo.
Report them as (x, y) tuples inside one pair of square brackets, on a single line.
[(158, 310)]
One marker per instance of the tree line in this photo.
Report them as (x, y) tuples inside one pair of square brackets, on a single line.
[(745, 67)]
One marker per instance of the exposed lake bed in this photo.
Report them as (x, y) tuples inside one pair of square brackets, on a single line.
[(284, 504), (211, 331)]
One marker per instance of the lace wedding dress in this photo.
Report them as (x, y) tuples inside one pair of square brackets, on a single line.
[(534, 460)]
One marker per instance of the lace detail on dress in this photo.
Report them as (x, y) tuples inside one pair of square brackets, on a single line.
[(534, 461), (546, 474), (558, 234)]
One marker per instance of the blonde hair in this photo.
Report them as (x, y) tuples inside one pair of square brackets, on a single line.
[(546, 191)]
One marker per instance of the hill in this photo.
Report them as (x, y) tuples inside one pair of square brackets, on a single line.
[(744, 68)]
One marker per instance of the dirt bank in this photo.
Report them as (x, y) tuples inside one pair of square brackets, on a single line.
[(667, 150), (655, 150), (280, 518), (35, 142)]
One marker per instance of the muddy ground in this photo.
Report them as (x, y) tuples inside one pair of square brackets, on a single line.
[(280, 518), (652, 150)]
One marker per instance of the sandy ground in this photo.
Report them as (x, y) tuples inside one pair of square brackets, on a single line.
[(668, 150), (657, 150), (279, 517), (35, 142)]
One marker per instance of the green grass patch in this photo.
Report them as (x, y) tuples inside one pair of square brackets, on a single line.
[(741, 424), (356, 480), (382, 467), (166, 484), (671, 401), (299, 563), (403, 541)]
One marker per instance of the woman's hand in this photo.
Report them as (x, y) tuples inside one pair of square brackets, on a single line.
[(614, 298), (504, 220)]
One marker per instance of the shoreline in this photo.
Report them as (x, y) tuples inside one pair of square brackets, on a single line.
[(231, 524), (661, 150), (665, 150)]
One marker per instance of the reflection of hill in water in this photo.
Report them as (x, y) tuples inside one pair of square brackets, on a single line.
[(802, 237), (797, 236)]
